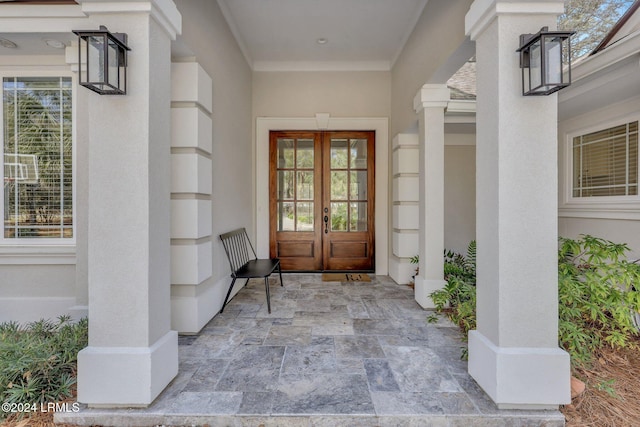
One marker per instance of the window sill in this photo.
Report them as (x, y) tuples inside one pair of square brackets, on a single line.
[(620, 211), (38, 255)]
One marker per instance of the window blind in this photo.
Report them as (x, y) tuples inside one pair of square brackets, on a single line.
[(605, 163), (38, 154)]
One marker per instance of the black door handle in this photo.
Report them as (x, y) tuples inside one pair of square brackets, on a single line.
[(326, 224)]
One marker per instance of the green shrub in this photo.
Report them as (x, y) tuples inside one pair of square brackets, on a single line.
[(458, 298), (597, 297), (39, 360), (598, 293)]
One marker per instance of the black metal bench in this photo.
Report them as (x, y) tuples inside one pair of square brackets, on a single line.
[(237, 244)]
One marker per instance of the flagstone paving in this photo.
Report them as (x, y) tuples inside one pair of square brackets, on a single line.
[(329, 354)]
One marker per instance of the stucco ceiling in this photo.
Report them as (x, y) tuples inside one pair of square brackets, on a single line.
[(284, 34)]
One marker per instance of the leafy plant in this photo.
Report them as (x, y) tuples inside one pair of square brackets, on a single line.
[(598, 292), (39, 360), (458, 298), (598, 298)]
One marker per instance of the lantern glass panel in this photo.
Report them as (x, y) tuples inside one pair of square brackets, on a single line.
[(535, 65), (95, 59), (553, 65), (113, 53)]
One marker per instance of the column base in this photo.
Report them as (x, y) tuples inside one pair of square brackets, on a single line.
[(520, 377), (126, 376), (424, 287)]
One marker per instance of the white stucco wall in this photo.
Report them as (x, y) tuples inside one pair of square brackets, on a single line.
[(208, 41), (346, 97), (40, 281), (617, 220), (459, 193), (303, 94), (438, 33)]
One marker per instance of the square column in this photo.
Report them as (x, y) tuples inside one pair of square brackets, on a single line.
[(430, 104), (514, 354), (132, 353)]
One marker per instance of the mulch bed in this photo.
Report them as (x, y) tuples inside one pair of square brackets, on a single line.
[(612, 395)]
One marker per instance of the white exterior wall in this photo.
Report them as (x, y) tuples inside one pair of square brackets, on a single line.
[(191, 187), (437, 35), (459, 199), (405, 215), (459, 191), (37, 280), (618, 220), (217, 204), (348, 100)]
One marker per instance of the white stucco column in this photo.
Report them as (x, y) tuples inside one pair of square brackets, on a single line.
[(430, 103), (514, 353), (132, 353)]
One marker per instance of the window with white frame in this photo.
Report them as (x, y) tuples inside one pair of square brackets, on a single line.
[(605, 163), (37, 150)]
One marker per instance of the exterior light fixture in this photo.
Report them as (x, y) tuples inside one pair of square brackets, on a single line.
[(103, 61), (544, 57)]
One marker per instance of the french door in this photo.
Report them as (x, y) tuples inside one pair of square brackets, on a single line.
[(321, 200)]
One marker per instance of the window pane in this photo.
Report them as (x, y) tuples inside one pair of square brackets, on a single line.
[(633, 158), (285, 153), (285, 185), (304, 185), (339, 216), (339, 154), (304, 215), (577, 176), (358, 216), (358, 154), (358, 185), (285, 216), (305, 153), (37, 155), (339, 185), (605, 163)]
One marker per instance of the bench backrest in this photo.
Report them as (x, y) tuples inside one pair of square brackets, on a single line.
[(236, 245)]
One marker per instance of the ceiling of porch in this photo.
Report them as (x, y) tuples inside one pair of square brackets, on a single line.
[(321, 35)]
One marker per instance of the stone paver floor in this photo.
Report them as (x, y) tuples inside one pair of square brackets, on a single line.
[(329, 354)]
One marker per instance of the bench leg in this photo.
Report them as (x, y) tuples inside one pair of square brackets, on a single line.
[(229, 293), (266, 286), (280, 273)]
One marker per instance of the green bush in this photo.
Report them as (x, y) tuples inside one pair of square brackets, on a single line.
[(598, 292), (597, 297), (39, 360), (458, 298)]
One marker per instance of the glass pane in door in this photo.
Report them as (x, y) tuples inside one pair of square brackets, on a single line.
[(348, 184), (304, 153), (358, 216), (339, 216), (358, 153), (295, 184)]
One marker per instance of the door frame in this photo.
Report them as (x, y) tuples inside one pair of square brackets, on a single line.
[(321, 122)]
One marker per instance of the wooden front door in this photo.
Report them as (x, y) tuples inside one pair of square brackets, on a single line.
[(321, 200)]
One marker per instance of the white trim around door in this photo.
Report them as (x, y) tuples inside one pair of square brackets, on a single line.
[(380, 125)]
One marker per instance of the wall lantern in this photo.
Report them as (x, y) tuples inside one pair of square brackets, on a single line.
[(543, 58), (103, 61)]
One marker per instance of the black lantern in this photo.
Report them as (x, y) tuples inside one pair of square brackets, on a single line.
[(103, 61), (543, 58)]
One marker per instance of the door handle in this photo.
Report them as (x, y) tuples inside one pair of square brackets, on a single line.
[(326, 224)]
